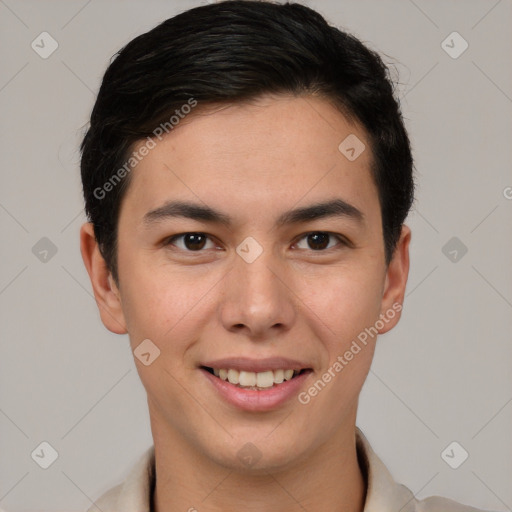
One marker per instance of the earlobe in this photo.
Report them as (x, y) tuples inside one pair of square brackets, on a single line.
[(106, 293), (395, 282)]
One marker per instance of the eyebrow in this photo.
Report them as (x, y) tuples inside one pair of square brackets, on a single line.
[(332, 208)]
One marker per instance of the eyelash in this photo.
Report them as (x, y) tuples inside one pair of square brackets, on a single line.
[(343, 242)]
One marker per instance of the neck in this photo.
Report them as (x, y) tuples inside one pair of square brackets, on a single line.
[(328, 480)]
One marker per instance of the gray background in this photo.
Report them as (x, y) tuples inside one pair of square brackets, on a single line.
[(442, 375)]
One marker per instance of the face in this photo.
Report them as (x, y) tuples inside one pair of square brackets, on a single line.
[(249, 274)]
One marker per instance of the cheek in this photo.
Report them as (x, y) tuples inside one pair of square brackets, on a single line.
[(346, 300), (348, 307), (167, 307)]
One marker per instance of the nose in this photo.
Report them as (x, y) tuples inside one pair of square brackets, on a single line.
[(257, 298)]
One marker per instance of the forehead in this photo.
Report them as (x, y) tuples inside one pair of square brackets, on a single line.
[(271, 151)]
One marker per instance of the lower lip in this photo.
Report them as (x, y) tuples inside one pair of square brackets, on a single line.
[(254, 400)]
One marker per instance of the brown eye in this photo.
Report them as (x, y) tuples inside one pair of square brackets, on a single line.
[(318, 241), (192, 242), (321, 240)]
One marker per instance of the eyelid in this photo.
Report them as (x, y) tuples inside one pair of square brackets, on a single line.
[(169, 240), (343, 241)]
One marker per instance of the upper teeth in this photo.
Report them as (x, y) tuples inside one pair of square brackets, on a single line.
[(254, 379)]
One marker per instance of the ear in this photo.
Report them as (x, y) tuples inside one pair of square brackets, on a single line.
[(395, 282), (106, 293)]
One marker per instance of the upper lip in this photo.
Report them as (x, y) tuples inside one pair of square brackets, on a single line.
[(256, 365)]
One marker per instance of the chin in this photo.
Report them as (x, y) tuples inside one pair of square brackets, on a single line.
[(257, 454)]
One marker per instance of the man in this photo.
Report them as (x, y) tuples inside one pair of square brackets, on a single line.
[(247, 176)]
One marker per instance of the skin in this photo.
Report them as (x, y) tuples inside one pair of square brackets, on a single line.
[(252, 161)]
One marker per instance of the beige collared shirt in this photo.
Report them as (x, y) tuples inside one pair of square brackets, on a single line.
[(383, 493)]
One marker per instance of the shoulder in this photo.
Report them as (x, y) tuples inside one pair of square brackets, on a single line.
[(107, 502), (439, 504), (134, 494), (384, 494)]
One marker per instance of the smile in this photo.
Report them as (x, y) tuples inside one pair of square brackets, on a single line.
[(256, 385), (254, 380)]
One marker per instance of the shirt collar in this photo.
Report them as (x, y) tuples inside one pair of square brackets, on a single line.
[(383, 493)]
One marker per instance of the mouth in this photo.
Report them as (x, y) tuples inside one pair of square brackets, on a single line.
[(256, 381), (256, 384)]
